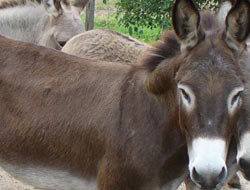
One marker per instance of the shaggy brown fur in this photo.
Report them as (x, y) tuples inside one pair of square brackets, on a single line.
[(105, 45), (120, 124)]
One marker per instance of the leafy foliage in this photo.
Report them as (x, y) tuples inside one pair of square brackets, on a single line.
[(135, 14)]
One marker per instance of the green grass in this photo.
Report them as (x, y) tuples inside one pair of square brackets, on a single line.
[(110, 22)]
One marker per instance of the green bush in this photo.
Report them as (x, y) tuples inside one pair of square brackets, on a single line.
[(135, 14)]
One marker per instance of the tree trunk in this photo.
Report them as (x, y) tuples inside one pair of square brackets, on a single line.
[(90, 15)]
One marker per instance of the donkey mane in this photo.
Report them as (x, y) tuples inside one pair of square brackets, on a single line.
[(169, 45), (14, 3)]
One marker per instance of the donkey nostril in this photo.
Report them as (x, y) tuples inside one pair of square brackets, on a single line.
[(222, 175), (244, 165), (196, 176)]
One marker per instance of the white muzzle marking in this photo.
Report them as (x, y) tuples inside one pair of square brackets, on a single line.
[(208, 157)]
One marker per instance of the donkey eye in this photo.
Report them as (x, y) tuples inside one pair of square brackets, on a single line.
[(185, 95), (236, 98)]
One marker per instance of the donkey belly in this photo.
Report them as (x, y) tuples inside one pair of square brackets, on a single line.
[(47, 178)]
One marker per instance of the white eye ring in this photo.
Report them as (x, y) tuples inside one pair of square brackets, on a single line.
[(187, 96), (234, 99)]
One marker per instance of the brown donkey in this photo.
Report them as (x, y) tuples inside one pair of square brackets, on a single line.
[(105, 45), (244, 59), (243, 156), (67, 122)]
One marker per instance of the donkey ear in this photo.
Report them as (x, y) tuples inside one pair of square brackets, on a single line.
[(186, 19), (53, 7), (238, 24), (223, 11)]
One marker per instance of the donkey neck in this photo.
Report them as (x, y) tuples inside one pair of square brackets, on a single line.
[(156, 119), (155, 116), (26, 23)]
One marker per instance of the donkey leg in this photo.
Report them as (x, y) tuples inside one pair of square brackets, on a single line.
[(115, 175), (233, 179)]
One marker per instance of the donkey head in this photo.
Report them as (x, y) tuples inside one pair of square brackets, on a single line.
[(65, 22), (208, 85), (243, 155), (210, 89)]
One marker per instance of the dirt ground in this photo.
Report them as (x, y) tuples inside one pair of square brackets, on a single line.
[(7, 182)]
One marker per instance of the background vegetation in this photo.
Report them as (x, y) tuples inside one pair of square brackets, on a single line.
[(142, 19)]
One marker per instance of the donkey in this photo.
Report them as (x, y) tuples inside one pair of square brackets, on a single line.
[(74, 121), (243, 156), (245, 59), (44, 22), (105, 45)]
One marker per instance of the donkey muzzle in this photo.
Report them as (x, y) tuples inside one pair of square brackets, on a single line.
[(207, 162)]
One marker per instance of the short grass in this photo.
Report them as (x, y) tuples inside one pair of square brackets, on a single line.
[(110, 22)]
